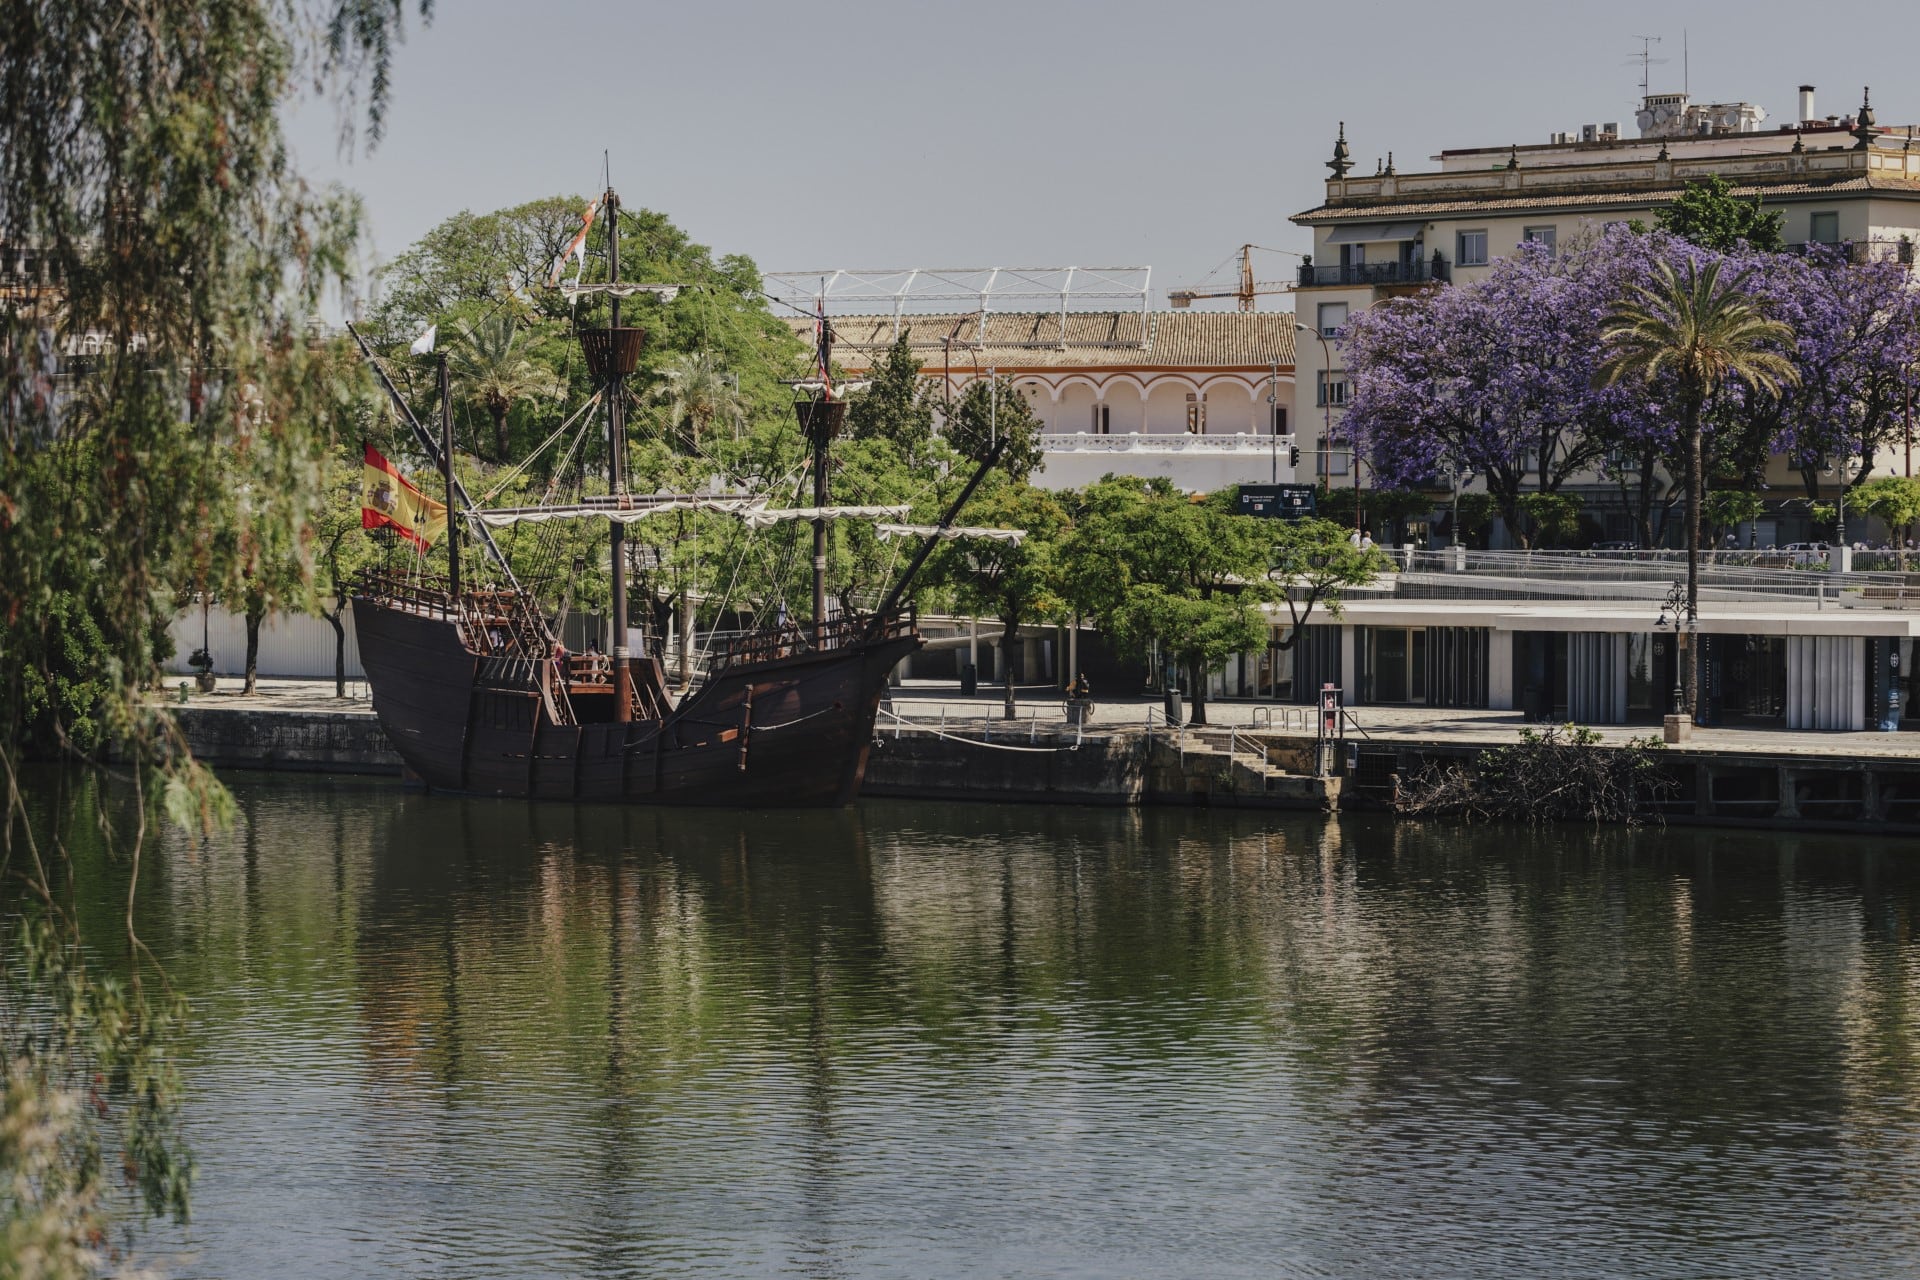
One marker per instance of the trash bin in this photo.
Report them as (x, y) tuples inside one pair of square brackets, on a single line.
[(1079, 711), (969, 679)]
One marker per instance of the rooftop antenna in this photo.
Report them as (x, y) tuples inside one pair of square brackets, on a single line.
[(1686, 65), (1647, 62)]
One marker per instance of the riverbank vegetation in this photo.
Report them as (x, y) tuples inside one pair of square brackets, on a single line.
[(165, 416), (1560, 773)]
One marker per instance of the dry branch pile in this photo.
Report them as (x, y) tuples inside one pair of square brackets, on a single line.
[(1558, 774)]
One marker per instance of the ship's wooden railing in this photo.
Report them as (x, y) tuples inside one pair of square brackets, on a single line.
[(414, 592), (789, 639), (503, 626)]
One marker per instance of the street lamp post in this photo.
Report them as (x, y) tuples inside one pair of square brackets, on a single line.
[(1676, 613), (1273, 416)]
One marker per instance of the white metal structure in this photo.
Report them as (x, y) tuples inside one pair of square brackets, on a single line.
[(902, 290)]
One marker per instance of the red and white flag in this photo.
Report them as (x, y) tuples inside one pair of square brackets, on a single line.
[(576, 249)]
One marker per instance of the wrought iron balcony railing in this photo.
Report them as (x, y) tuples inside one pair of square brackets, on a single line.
[(1376, 274)]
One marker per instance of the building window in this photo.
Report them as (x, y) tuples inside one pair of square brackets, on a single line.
[(1102, 419), (1196, 414), (1548, 236), (1825, 228), (1279, 419), (1470, 249), (1332, 388), (1334, 458), (1332, 316)]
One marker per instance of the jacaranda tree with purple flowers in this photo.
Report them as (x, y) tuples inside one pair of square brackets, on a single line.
[(1856, 341), (1500, 378), (1496, 379)]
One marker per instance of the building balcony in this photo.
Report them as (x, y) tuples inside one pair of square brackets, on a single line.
[(1169, 442), (1376, 274)]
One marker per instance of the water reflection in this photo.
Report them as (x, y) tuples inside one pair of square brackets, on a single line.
[(440, 1037)]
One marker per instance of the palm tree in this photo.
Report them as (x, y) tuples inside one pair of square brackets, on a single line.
[(698, 391), (1690, 327), (492, 366)]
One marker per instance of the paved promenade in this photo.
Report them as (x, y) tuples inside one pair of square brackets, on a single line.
[(926, 702)]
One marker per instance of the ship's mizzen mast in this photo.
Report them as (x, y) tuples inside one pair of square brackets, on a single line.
[(820, 419), (433, 450)]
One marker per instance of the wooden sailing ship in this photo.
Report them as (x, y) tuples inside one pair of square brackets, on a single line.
[(472, 688)]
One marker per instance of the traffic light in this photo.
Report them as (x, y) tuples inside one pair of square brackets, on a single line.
[(1293, 456)]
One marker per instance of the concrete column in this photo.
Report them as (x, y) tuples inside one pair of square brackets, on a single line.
[(1349, 666), (1500, 670), (1872, 799), (1789, 806)]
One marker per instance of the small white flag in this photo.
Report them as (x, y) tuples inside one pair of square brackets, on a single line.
[(423, 345)]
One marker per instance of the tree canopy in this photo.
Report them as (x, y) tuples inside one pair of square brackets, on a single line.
[(1161, 570), (143, 169), (1709, 214)]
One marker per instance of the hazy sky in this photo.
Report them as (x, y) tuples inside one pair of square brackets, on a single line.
[(870, 135)]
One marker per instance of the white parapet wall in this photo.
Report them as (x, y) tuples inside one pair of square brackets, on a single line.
[(292, 645), (1195, 463)]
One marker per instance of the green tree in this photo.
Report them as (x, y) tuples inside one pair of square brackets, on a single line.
[(994, 409), (696, 393), (1015, 582), (141, 159), (1710, 215), (1476, 513), (340, 548), (1315, 563), (489, 364), (1555, 517), (473, 266), (1895, 502), (1727, 509), (1702, 333), (475, 263), (896, 405), (1160, 569)]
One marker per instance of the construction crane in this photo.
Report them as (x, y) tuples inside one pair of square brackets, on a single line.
[(1247, 290)]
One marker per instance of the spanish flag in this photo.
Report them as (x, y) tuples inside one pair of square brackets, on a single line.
[(386, 498)]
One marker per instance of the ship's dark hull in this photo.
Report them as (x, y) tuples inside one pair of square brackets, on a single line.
[(792, 731)]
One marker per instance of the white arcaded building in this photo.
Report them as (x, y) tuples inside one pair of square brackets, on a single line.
[(1202, 398)]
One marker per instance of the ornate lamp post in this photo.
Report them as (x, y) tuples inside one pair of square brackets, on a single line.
[(1675, 613)]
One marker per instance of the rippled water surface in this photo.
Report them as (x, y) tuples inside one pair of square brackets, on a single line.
[(451, 1038)]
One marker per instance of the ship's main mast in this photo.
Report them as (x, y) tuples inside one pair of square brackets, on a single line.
[(617, 473)]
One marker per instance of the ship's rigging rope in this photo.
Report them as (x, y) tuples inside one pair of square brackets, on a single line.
[(520, 469)]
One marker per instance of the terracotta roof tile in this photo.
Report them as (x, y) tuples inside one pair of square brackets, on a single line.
[(1092, 339)]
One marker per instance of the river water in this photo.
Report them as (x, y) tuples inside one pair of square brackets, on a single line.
[(448, 1038)]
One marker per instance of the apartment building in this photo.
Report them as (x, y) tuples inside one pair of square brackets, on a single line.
[(1836, 179)]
